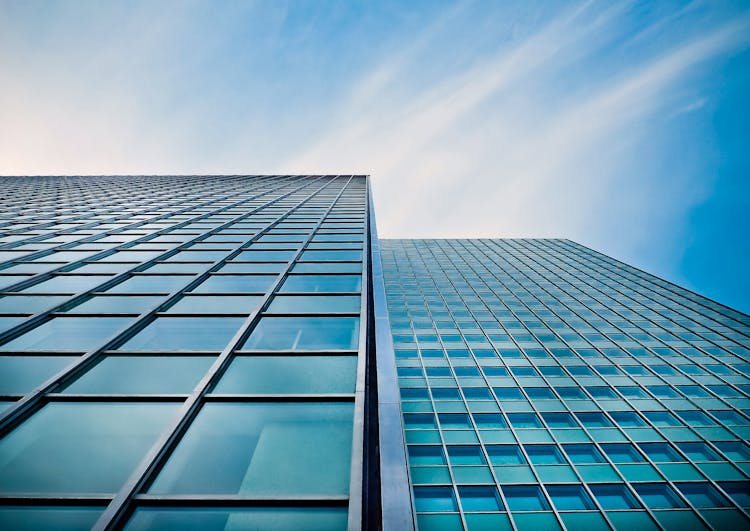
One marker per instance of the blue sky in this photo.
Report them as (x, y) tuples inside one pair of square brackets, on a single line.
[(621, 125)]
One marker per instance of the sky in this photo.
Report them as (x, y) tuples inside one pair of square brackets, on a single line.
[(623, 125)]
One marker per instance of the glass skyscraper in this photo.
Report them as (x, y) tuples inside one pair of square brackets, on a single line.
[(243, 352)]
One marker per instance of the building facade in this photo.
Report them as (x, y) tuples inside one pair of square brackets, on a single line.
[(243, 352)]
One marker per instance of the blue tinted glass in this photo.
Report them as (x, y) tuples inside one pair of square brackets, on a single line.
[(28, 304), (289, 375), (559, 420), (323, 256), (570, 498), (68, 334), (185, 333), (524, 420), (583, 453), (419, 420), (698, 451), (80, 447), (660, 452), (544, 454), (465, 455), (489, 420), (426, 455), (623, 453), (268, 449), (315, 304), (735, 451), (250, 518), (36, 518), (114, 304), (658, 496), (151, 284), (67, 284), (480, 499), (327, 267), (304, 333), (235, 284), (739, 492), (525, 498), (434, 499), (217, 304), (142, 375), (21, 374), (321, 283)]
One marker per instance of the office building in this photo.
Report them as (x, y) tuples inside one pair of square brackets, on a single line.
[(243, 352)]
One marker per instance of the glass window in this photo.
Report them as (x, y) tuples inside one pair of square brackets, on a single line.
[(739, 491), (21, 374), (266, 256), (315, 304), (505, 454), (658, 496), (559, 420), (43, 518), (304, 333), (322, 283), (227, 519), (703, 495), (217, 304), (142, 375), (152, 284), (67, 284), (236, 284), (698, 451), (489, 420), (570, 498), (465, 455), (735, 451), (614, 496), (525, 498), (426, 455), (289, 375), (524, 420), (434, 499), (662, 419), (583, 453), (28, 304), (327, 267), (331, 256), (661, 452), (135, 304), (268, 449), (480, 499), (249, 267), (544, 454), (74, 447), (622, 453), (185, 333), (68, 334)]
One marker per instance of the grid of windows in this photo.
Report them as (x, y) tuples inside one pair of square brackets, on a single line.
[(545, 386), (182, 351)]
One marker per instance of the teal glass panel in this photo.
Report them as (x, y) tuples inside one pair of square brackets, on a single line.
[(544, 454), (658, 496), (703, 495), (614, 496), (289, 375), (236, 518), (185, 333), (488, 522), (475, 499), (331, 256), (321, 284), (465, 455), (235, 284), (152, 284), (217, 304), (80, 447), (28, 303), (623, 453), (505, 454), (439, 522), (434, 499), (268, 449), (142, 375), (21, 374), (426, 455), (327, 267), (248, 267), (570, 498), (525, 498), (68, 334), (304, 333), (739, 491), (315, 304), (44, 518), (136, 304)]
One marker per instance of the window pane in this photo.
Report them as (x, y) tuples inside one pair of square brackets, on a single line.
[(289, 375), (703, 495), (142, 375), (67, 284), (315, 304), (570, 498), (21, 374), (32, 518), (304, 333), (614, 496), (321, 283), (276, 449), (185, 333), (434, 499), (505, 454), (217, 304), (525, 498), (28, 304), (68, 334), (116, 304), (250, 518), (236, 284), (80, 447), (327, 267), (658, 495), (152, 284), (344, 256), (480, 499)]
